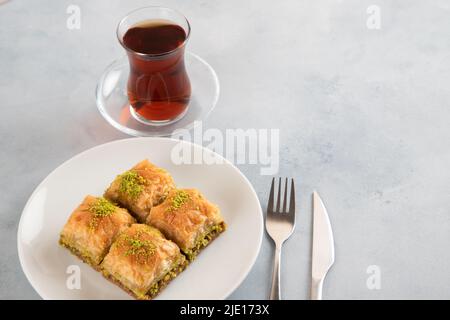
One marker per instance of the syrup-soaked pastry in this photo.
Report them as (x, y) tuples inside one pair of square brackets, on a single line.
[(140, 188), (142, 262), (187, 218), (92, 227)]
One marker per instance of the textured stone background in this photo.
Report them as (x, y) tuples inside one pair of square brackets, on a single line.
[(364, 118)]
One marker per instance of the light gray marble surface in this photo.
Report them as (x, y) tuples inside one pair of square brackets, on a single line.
[(364, 117)]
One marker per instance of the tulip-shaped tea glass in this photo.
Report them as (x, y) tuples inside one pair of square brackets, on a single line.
[(159, 88), (148, 92)]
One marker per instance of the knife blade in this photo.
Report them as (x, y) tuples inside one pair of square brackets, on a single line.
[(323, 247)]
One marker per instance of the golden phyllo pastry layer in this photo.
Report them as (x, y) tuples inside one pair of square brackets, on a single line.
[(139, 189), (92, 228), (141, 261), (188, 219)]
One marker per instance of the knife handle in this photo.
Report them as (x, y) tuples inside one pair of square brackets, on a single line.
[(316, 289), (275, 292)]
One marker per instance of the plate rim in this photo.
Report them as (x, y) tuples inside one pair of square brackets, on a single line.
[(244, 275)]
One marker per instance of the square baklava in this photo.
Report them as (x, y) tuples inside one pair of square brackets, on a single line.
[(187, 218), (142, 262), (92, 227), (140, 188)]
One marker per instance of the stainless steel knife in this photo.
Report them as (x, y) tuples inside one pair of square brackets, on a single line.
[(323, 247)]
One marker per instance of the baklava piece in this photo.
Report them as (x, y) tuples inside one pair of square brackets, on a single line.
[(92, 228), (188, 219), (142, 262), (140, 188)]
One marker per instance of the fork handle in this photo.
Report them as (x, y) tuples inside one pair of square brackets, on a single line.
[(275, 292)]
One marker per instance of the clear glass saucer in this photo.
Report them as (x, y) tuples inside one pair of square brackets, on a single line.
[(112, 99)]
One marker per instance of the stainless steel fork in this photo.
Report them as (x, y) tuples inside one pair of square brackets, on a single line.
[(280, 224)]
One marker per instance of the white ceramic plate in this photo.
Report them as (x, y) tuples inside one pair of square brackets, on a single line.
[(216, 272)]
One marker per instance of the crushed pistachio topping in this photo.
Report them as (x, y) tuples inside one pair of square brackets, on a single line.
[(139, 248), (131, 184), (100, 208), (178, 200)]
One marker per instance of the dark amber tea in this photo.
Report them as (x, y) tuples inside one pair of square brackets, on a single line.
[(158, 86), (154, 37)]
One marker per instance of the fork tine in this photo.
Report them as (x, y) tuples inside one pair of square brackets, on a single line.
[(292, 201), (285, 195), (279, 195), (270, 203)]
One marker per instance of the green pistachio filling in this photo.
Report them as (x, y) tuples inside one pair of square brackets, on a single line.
[(131, 184), (85, 255), (203, 240), (172, 274)]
